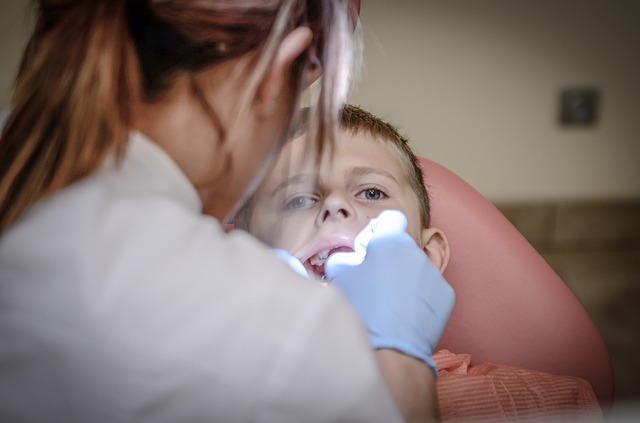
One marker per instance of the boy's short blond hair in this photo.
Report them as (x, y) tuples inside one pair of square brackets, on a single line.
[(357, 120)]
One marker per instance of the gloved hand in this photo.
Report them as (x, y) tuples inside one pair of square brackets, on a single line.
[(293, 262), (400, 295)]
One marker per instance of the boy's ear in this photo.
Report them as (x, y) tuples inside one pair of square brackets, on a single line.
[(292, 46), (436, 245)]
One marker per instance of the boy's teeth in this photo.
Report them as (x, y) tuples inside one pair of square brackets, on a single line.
[(320, 258)]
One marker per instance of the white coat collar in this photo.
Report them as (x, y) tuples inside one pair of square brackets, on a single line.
[(148, 161)]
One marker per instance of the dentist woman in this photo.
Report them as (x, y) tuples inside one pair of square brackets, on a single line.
[(119, 300)]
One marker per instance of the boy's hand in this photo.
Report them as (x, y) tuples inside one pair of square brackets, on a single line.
[(402, 298)]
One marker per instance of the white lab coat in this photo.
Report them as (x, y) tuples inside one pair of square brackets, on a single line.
[(120, 302)]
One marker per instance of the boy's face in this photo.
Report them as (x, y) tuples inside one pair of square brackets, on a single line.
[(312, 219)]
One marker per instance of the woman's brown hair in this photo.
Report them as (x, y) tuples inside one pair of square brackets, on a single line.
[(88, 60)]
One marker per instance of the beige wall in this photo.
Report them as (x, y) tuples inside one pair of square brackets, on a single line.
[(14, 31), (474, 83)]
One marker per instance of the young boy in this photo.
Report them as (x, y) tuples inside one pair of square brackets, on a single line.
[(314, 211)]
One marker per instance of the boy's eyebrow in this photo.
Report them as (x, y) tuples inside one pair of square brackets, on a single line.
[(294, 179), (363, 170)]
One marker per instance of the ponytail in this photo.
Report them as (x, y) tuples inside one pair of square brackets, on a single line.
[(89, 61), (72, 101)]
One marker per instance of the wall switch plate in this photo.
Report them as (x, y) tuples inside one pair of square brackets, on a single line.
[(579, 106)]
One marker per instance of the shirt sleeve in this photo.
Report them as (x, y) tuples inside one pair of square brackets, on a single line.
[(325, 371), (323, 368)]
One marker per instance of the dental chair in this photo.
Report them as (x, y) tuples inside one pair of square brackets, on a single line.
[(511, 307)]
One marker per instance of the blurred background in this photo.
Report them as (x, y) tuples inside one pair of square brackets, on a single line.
[(535, 103)]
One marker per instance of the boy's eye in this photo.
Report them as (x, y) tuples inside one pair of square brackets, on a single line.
[(372, 194), (299, 202)]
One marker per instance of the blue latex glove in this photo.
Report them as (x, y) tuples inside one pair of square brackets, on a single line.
[(293, 262), (400, 295)]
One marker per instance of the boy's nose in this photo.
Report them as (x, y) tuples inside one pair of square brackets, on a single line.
[(335, 207)]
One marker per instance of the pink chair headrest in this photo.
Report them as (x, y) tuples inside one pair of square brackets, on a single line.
[(511, 307)]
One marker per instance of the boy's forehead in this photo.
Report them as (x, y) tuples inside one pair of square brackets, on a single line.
[(349, 142), (350, 146)]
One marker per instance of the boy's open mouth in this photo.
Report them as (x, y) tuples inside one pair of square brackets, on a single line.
[(315, 263)]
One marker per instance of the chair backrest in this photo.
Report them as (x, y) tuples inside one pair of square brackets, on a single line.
[(511, 307)]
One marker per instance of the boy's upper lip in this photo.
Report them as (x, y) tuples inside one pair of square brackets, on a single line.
[(326, 243)]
